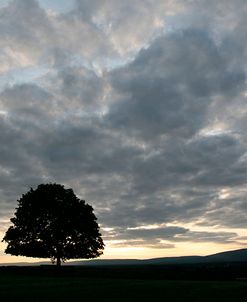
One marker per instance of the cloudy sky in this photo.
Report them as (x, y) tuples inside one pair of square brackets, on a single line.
[(140, 106)]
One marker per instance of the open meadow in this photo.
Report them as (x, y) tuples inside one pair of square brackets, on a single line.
[(35, 284)]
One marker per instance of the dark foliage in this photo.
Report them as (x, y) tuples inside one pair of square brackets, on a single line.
[(51, 222)]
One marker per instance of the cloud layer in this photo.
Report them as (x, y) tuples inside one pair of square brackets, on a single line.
[(140, 109)]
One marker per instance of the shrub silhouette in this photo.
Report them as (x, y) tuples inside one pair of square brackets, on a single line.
[(51, 222)]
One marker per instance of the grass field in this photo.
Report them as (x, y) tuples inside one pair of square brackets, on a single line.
[(35, 287)]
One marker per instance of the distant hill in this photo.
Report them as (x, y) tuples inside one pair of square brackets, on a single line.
[(228, 256), (165, 260)]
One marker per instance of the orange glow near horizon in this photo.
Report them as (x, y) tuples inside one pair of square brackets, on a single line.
[(181, 249), (184, 249)]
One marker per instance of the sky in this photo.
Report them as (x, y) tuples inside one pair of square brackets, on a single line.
[(139, 106)]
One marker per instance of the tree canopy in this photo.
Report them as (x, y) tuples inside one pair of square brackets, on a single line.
[(51, 222)]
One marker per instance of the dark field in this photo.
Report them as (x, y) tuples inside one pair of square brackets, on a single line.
[(112, 284)]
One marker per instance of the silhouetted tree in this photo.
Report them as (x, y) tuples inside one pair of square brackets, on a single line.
[(51, 222)]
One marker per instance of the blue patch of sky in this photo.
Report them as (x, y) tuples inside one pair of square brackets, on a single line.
[(58, 6), (3, 3), (22, 75)]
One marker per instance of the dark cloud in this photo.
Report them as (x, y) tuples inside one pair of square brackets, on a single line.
[(169, 86), (162, 235), (81, 87), (216, 237), (27, 102), (156, 233)]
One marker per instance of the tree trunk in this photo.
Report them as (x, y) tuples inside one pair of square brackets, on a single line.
[(58, 261)]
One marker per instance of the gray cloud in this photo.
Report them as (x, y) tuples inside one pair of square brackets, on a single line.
[(87, 34), (159, 233), (166, 237), (150, 243), (128, 25), (169, 87)]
